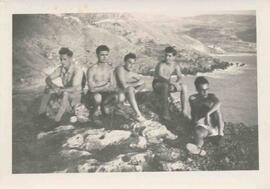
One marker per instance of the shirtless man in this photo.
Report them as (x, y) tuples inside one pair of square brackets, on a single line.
[(129, 83), (71, 76), (100, 80), (206, 116), (163, 82)]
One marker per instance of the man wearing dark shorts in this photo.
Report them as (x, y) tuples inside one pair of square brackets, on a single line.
[(129, 83), (164, 83), (101, 82)]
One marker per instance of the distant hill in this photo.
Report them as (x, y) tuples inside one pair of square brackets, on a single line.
[(232, 33)]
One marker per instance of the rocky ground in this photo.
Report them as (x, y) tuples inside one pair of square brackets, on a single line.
[(117, 143)]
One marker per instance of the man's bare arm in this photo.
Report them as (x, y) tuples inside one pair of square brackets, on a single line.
[(76, 82), (161, 73), (121, 77), (49, 79), (178, 73), (215, 107), (191, 102), (92, 85)]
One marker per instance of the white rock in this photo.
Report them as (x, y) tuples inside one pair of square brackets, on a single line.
[(142, 143), (76, 141), (115, 137), (64, 128), (176, 166), (88, 166), (127, 163), (73, 119), (74, 154)]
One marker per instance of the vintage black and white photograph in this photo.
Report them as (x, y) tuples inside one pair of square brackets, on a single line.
[(134, 92)]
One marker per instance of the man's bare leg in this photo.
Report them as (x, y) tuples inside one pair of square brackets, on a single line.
[(98, 100), (63, 107), (130, 93), (44, 103), (200, 134), (183, 97), (220, 123)]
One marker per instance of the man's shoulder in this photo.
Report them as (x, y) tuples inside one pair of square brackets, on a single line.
[(119, 68), (92, 67), (77, 67), (212, 96), (193, 97)]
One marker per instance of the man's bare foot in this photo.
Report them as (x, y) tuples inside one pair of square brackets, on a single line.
[(57, 119), (97, 112), (166, 117), (184, 114), (194, 149)]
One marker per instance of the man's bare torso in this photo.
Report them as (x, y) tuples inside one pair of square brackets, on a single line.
[(101, 73)]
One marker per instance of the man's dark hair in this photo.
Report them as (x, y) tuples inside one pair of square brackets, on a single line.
[(102, 48), (65, 50), (170, 49), (130, 55), (200, 81)]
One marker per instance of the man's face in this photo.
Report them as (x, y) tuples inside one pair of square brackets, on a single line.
[(65, 60), (169, 58), (203, 90), (103, 57), (129, 64)]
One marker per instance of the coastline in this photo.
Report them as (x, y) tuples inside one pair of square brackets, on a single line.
[(234, 54)]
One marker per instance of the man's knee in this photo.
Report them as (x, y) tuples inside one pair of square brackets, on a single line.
[(130, 89), (201, 132), (121, 97), (98, 98), (66, 94), (183, 88)]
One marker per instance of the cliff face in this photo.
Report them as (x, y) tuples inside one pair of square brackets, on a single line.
[(37, 39)]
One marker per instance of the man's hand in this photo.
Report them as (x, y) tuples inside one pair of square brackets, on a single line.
[(58, 90), (175, 85)]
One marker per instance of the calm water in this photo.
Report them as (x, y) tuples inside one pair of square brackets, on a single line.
[(235, 87)]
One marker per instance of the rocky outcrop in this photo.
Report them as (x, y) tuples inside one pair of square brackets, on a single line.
[(96, 139), (58, 130)]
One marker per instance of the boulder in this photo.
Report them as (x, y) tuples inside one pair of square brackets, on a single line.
[(58, 130), (76, 141), (164, 153), (128, 163), (115, 137), (141, 144), (74, 153), (175, 166), (97, 139), (90, 165)]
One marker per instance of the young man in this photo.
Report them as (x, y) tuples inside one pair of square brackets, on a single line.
[(205, 114), (164, 83), (129, 83), (100, 80), (71, 76)]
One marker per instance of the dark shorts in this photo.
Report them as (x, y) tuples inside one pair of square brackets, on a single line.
[(157, 83), (89, 98)]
